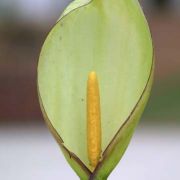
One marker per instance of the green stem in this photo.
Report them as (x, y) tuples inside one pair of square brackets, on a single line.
[(95, 178)]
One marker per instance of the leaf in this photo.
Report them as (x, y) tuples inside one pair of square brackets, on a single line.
[(113, 39)]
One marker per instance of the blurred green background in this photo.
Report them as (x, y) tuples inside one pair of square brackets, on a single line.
[(23, 29)]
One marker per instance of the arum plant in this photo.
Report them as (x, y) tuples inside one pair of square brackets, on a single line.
[(94, 78)]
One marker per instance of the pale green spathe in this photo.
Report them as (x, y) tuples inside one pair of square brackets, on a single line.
[(113, 39)]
